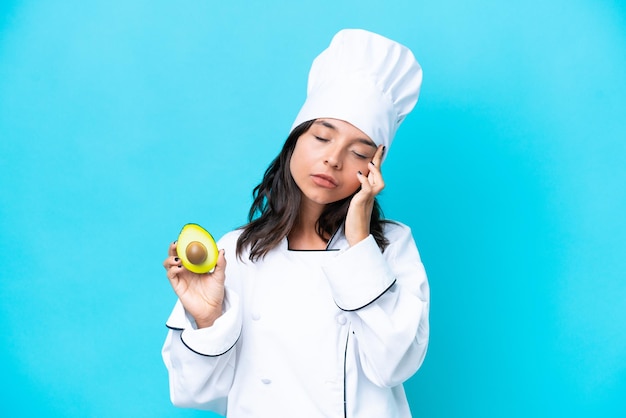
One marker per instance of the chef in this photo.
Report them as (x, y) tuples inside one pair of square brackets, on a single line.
[(318, 307)]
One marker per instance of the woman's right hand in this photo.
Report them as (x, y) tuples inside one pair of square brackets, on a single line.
[(202, 295)]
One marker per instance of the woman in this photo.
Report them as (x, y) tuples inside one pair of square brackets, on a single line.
[(322, 308)]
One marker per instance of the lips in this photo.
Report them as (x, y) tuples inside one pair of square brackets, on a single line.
[(324, 180)]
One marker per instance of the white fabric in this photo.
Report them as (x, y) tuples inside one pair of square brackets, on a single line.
[(365, 79), (295, 348)]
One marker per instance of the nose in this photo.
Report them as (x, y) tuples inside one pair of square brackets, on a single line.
[(333, 158), (331, 161)]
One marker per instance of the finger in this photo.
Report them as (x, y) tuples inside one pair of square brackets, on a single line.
[(375, 177), (377, 160), (366, 185), (375, 163), (172, 250), (172, 261), (221, 261), (172, 271), (172, 274)]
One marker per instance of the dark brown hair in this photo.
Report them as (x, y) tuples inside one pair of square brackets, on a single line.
[(276, 206)]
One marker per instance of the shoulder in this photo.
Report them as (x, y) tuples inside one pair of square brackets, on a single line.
[(401, 241), (229, 240), (394, 230)]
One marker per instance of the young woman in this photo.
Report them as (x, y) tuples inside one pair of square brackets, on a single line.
[(322, 307)]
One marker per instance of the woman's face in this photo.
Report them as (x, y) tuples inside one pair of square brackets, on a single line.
[(326, 159)]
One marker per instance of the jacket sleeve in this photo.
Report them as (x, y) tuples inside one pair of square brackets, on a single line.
[(387, 298), (200, 362)]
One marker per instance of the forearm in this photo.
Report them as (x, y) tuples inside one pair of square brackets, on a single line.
[(197, 381), (200, 361), (392, 335)]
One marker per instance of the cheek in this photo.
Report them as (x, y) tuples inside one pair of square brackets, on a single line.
[(362, 166), (352, 181), (299, 166), (294, 162), (351, 177), (291, 166)]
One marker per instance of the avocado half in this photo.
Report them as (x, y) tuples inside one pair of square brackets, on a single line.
[(196, 249)]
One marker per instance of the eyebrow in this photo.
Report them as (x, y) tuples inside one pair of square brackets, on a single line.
[(329, 125)]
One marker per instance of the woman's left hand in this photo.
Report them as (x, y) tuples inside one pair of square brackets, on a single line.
[(361, 205)]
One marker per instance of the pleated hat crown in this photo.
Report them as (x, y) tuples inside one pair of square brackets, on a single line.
[(365, 79)]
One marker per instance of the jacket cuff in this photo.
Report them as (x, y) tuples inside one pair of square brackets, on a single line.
[(359, 275), (214, 340)]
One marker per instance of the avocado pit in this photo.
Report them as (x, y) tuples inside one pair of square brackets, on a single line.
[(196, 252)]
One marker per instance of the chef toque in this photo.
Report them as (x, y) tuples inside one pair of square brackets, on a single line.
[(365, 79)]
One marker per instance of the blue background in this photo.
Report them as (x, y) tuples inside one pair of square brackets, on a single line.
[(122, 120)]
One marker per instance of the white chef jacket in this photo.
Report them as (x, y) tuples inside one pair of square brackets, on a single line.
[(329, 333)]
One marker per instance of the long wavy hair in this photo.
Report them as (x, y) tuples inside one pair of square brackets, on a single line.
[(276, 207)]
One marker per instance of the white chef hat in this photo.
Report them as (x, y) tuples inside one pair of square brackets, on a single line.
[(365, 79)]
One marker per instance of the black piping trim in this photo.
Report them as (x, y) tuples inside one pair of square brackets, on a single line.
[(312, 251), (345, 361), (210, 355), (175, 329), (202, 354), (332, 238), (328, 244), (368, 303)]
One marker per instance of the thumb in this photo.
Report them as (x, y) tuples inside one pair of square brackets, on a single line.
[(221, 262)]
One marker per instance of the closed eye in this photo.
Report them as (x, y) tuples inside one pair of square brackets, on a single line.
[(360, 156), (321, 139)]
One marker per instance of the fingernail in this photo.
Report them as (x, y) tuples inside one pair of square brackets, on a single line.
[(360, 174), (372, 163)]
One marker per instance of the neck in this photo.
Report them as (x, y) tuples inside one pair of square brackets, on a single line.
[(303, 235)]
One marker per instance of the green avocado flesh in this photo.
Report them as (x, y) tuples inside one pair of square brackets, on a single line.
[(196, 249)]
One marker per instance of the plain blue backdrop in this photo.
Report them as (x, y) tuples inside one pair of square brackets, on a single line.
[(122, 120)]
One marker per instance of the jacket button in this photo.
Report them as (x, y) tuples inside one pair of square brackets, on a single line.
[(266, 381), (341, 320), (256, 316)]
